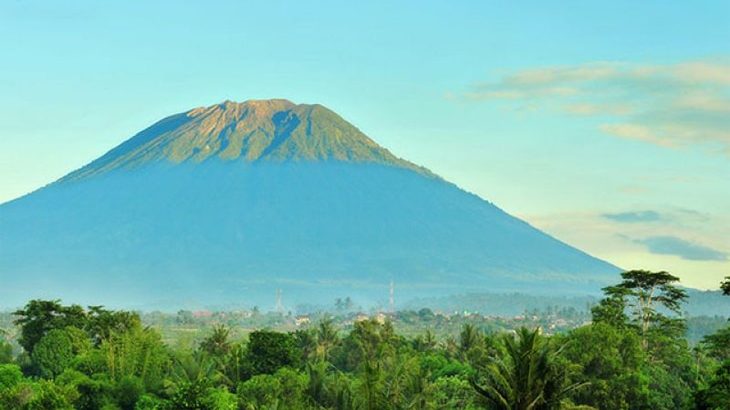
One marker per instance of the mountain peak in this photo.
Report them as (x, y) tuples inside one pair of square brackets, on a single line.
[(252, 131), (258, 107)]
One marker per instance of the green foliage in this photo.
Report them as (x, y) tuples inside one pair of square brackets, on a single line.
[(269, 351), (664, 374), (40, 395), (10, 376), (725, 286), (718, 344), (102, 324), (41, 316), (149, 402), (612, 309), (452, 392), (217, 344), (220, 399), (88, 393), (192, 372), (112, 362), (128, 391), (234, 367), (259, 391), (327, 337), (610, 360), (716, 395), (57, 349), (189, 396), (528, 376), (137, 352), (6, 351), (641, 292), (285, 389)]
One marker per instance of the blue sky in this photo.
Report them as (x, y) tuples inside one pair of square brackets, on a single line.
[(605, 125)]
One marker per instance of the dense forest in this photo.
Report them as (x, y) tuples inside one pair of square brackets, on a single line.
[(631, 352)]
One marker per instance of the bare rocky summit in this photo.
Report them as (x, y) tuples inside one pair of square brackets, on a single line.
[(253, 130)]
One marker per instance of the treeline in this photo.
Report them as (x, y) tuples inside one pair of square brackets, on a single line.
[(632, 356)]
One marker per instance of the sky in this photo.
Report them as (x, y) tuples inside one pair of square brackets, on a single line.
[(606, 125)]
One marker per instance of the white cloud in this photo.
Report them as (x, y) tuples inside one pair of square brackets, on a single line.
[(675, 106), (636, 132), (703, 72)]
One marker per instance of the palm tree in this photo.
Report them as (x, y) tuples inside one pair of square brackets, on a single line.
[(217, 343), (527, 377), (193, 367), (326, 337), (234, 367), (317, 387), (469, 338)]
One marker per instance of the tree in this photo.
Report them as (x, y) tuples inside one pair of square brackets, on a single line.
[(269, 351), (89, 393), (10, 376), (370, 352), (32, 395), (259, 391), (56, 350), (189, 396), (40, 316), (453, 392), (316, 388), (234, 367), (326, 337), (426, 314), (220, 399), (195, 367), (725, 286), (283, 389), (426, 342), (612, 309), (102, 323), (527, 377), (717, 393), (345, 304), (139, 353), (469, 338), (217, 343), (610, 360), (6, 351), (641, 292)]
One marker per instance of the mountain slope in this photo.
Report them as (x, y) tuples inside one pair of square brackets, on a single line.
[(226, 204)]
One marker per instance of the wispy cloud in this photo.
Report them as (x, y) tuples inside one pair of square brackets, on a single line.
[(674, 105), (635, 216), (672, 245), (679, 218)]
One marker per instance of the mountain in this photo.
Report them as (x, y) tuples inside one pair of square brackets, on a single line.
[(223, 205)]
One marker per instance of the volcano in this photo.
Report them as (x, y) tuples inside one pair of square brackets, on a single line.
[(228, 204)]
